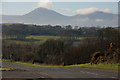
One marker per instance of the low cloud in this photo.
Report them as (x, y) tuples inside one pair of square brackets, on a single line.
[(45, 4), (92, 10), (64, 9), (99, 20)]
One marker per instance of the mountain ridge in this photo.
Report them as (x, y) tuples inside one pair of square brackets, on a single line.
[(47, 16)]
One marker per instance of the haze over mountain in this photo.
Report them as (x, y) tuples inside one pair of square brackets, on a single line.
[(47, 16)]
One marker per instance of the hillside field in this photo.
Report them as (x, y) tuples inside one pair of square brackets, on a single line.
[(36, 39)]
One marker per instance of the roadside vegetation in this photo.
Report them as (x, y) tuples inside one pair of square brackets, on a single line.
[(63, 46), (103, 66), (38, 65), (4, 59), (7, 69)]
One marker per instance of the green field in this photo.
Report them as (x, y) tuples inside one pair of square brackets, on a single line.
[(42, 38), (38, 39), (28, 39)]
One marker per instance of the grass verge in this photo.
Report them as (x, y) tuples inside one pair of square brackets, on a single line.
[(113, 67), (4, 60), (103, 66), (7, 69), (36, 65)]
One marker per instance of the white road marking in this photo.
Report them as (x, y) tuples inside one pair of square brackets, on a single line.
[(91, 73), (114, 77), (94, 74)]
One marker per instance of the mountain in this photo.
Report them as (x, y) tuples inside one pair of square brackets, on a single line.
[(98, 18), (47, 16), (44, 16)]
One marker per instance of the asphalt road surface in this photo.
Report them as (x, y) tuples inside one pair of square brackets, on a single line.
[(37, 72)]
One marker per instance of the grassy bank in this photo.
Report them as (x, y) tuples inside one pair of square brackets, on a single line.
[(113, 67), (36, 65), (102, 66), (7, 69), (98, 66), (4, 60)]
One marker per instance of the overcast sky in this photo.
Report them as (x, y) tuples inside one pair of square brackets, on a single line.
[(65, 8)]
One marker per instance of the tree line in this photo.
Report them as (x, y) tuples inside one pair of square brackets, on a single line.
[(104, 48), (22, 30)]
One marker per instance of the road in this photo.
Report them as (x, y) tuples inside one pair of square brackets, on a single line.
[(37, 72)]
